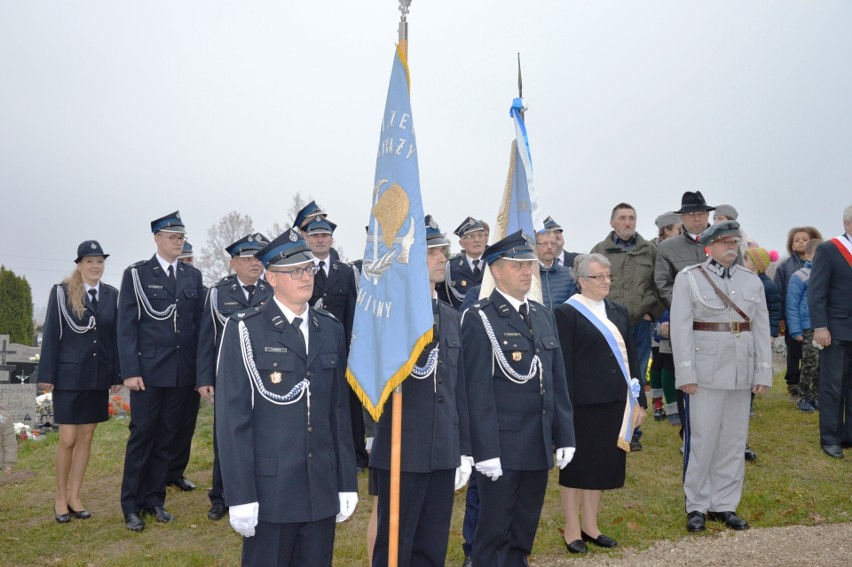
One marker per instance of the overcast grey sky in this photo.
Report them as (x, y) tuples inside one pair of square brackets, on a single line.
[(115, 113)]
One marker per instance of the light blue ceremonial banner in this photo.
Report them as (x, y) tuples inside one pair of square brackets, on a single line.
[(393, 314), (524, 211)]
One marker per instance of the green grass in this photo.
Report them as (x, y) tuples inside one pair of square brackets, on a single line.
[(791, 483)]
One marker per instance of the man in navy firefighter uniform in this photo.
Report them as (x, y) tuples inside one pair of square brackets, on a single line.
[(282, 418), (464, 270), (159, 311), (518, 405), (435, 436), (235, 292)]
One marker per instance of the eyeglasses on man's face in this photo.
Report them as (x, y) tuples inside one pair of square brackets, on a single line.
[(297, 273), (175, 237), (600, 277)]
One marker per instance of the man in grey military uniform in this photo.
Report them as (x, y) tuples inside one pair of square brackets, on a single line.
[(720, 341), (235, 292), (282, 418)]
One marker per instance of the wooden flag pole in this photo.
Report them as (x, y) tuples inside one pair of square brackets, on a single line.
[(396, 423)]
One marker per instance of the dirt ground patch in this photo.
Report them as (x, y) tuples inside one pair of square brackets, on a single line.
[(825, 545)]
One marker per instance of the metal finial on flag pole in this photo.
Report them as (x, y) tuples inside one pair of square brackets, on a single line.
[(520, 80), (403, 19)]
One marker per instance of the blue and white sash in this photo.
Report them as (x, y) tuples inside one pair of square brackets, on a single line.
[(619, 350)]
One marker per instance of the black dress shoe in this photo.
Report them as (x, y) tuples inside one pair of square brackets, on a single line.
[(133, 522), (183, 484), (576, 546), (61, 518), (216, 512), (600, 541), (79, 514), (695, 522), (730, 519), (162, 515), (750, 455), (833, 451)]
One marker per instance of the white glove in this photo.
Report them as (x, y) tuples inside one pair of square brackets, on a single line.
[(463, 472), (490, 468), (348, 501), (244, 518), (564, 456)]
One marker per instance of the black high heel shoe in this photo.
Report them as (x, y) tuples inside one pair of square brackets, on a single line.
[(61, 518), (79, 514)]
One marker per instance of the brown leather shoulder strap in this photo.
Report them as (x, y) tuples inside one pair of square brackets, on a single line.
[(725, 299)]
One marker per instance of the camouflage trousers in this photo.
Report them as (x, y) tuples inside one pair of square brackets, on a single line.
[(809, 381)]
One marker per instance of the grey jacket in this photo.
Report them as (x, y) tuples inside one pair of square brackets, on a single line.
[(720, 360), (673, 255), (633, 281)]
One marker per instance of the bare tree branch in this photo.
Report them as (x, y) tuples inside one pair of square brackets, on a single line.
[(213, 261)]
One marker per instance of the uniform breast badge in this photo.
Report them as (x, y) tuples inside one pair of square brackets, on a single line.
[(517, 356), (275, 377)]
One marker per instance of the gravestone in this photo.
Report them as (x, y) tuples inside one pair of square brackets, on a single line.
[(6, 370), (21, 400), (17, 382)]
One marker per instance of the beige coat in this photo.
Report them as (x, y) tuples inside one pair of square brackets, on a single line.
[(719, 359)]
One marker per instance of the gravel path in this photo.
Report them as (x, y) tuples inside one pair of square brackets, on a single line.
[(824, 545)]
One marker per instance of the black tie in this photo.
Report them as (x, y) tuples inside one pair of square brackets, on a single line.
[(435, 317), (94, 293), (321, 274), (171, 271), (250, 290), (476, 270), (525, 314), (297, 326)]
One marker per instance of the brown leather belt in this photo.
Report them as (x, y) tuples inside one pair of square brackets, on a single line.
[(730, 327)]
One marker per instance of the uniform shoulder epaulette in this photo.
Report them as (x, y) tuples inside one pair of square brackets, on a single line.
[(328, 314), (246, 313), (482, 303), (454, 256), (191, 268), (112, 287), (227, 279), (688, 268), (536, 303), (139, 263)]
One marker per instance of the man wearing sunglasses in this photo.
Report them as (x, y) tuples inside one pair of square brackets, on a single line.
[(282, 417)]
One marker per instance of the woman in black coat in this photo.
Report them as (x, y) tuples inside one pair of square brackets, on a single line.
[(599, 391), (79, 364)]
